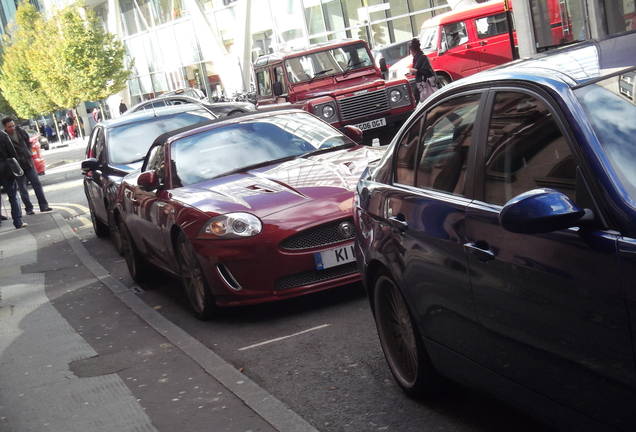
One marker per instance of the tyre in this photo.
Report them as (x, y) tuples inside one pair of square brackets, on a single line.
[(443, 80), (194, 281), (114, 233), (137, 266), (400, 339), (101, 229)]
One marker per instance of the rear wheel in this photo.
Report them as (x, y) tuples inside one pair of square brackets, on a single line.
[(194, 282), (115, 235), (137, 266), (400, 339), (101, 229)]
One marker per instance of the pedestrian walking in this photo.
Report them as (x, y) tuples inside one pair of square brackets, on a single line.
[(425, 78), (8, 180), (122, 107), (48, 130), (19, 138)]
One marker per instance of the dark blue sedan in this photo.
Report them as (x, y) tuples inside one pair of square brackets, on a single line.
[(497, 237)]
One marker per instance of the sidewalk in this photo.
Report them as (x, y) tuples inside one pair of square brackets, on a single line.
[(79, 351)]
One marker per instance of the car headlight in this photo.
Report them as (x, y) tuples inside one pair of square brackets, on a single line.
[(327, 111), (395, 95), (232, 225)]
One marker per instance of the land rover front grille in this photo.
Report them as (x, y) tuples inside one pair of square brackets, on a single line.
[(314, 276), (364, 105), (322, 235)]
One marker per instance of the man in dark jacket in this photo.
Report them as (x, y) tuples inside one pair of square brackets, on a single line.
[(22, 144), (8, 181)]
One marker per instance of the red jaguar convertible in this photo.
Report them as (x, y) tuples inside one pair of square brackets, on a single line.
[(246, 209)]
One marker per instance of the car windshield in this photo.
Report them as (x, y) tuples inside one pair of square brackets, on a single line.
[(428, 39), (328, 62), (31, 132), (251, 143), (609, 105), (130, 142)]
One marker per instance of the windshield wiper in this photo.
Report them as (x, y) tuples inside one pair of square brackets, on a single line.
[(322, 72), (351, 66), (328, 149), (256, 165)]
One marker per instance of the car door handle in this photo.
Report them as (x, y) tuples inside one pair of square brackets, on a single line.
[(481, 251), (398, 223), (482, 43)]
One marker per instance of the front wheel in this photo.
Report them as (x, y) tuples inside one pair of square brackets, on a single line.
[(443, 80), (400, 339), (137, 266), (194, 282)]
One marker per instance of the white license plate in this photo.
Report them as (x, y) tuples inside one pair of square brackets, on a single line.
[(371, 124), (334, 257)]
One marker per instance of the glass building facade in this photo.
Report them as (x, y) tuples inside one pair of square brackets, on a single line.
[(173, 44), (173, 49)]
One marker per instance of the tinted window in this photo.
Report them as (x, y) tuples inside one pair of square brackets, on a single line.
[(526, 150), (491, 26), (448, 132), (129, 143), (433, 152)]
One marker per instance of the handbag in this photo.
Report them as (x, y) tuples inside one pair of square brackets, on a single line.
[(427, 87), (14, 167)]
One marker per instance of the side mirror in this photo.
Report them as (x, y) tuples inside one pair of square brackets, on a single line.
[(90, 164), (541, 211), (278, 88), (148, 181), (353, 133)]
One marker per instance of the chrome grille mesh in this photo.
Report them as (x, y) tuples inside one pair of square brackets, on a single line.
[(314, 276), (322, 235), (363, 105)]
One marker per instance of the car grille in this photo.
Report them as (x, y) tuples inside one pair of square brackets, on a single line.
[(314, 276), (363, 105), (322, 235)]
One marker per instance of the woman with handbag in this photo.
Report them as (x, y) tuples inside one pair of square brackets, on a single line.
[(425, 78), (8, 169)]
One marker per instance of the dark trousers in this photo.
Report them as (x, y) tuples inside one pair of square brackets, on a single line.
[(11, 187), (34, 178)]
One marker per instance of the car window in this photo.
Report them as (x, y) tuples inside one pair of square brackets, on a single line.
[(525, 150), (279, 74), (609, 104), (218, 151), (156, 162), (448, 132), (454, 34), (90, 150), (99, 146), (492, 25), (264, 83), (130, 142), (442, 140)]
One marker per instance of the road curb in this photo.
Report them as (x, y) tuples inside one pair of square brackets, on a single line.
[(258, 399)]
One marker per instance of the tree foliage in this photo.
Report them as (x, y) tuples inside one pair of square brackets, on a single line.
[(20, 88), (60, 62)]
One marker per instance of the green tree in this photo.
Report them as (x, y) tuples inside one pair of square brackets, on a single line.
[(20, 88), (82, 63)]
